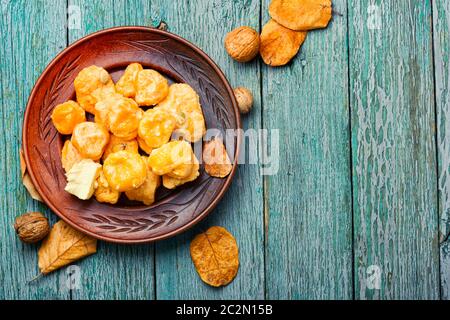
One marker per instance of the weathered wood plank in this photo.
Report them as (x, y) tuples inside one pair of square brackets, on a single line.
[(393, 144), (116, 272), (31, 32), (205, 23), (309, 219), (441, 15)]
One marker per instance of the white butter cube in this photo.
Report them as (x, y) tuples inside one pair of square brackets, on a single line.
[(82, 177)]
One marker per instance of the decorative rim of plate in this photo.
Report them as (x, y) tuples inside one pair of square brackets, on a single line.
[(221, 193)]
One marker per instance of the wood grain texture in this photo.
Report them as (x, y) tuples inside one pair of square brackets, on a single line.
[(205, 23), (308, 203), (401, 198), (31, 33), (441, 22), (393, 144), (116, 272)]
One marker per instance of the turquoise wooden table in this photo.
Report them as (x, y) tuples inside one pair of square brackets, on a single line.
[(360, 207)]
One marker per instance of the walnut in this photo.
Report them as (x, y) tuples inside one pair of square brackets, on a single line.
[(244, 99), (32, 227), (242, 44)]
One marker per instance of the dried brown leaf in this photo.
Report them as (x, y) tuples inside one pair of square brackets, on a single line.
[(63, 246), (26, 179), (30, 188), (216, 256), (216, 160)]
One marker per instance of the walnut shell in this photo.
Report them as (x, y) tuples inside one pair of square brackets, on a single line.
[(244, 99), (242, 44), (32, 227)]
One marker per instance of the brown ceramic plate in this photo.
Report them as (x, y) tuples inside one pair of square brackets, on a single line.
[(113, 49)]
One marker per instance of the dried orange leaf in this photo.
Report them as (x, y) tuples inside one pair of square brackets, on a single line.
[(63, 246), (216, 160), (216, 256), (23, 166), (279, 44), (301, 15)]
